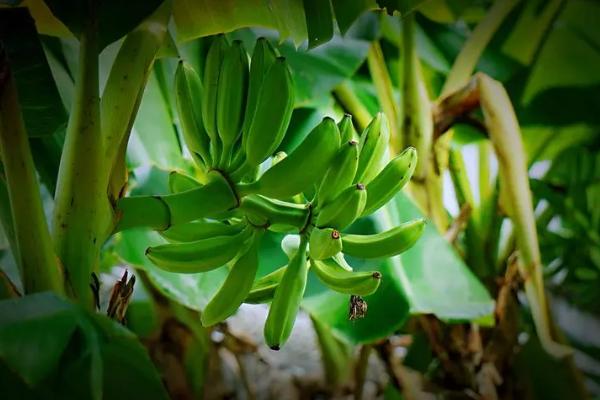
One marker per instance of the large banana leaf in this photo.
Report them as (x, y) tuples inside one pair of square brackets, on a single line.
[(98, 358), (297, 20), (41, 105)]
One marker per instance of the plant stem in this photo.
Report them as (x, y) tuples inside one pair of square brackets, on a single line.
[(485, 185), (335, 354), (506, 137), (474, 246), (417, 124), (465, 62), (459, 177), (82, 214), (385, 93), (352, 104), (161, 212), (33, 252), (417, 130), (360, 371), (123, 93)]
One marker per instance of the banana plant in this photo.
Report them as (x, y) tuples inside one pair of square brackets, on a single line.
[(332, 197), (233, 119)]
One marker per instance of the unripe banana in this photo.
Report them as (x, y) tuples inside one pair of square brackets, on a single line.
[(188, 93), (347, 131), (338, 279), (373, 144), (263, 57), (198, 230), (390, 180), (199, 256), (236, 287), (272, 113), (384, 244), (341, 172), (302, 168), (212, 72), (263, 289), (179, 182), (324, 243), (286, 301), (344, 209), (276, 214), (231, 97)]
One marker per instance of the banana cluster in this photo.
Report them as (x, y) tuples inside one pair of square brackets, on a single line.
[(233, 119)]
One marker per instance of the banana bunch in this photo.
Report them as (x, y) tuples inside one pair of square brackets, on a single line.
[(233, 119)]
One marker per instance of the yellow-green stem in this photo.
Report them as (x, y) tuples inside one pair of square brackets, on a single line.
[(352, 104), (417, 130), (505, 134), (34, 253), (385, 93), (82, 213)]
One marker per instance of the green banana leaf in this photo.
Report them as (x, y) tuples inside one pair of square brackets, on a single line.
[(297, 20), (318, 71), (435, 278), (39, 331), (195, 19), (114, 20), (40, 102), (154, 138)]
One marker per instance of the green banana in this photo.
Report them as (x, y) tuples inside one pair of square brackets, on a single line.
[(390, 180), (263, 289), (199, 256), (373, 144), (324, 243), (344, 209), (286, 301), (188, 92), (347, 131), (263, 57), (302, 168), (212, 72), (272, 113), (341, 172), (231, 97), (337, 278), (236, 287), (179, 182), (275, 214), (384, 244), (198, 230)]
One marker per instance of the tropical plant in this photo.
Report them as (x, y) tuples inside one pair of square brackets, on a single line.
[(166, 162)]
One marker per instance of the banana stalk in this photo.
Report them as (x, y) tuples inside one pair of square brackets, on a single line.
[(162, 212), (417, 129), (33, 252), (123, 92), (82, 213)]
